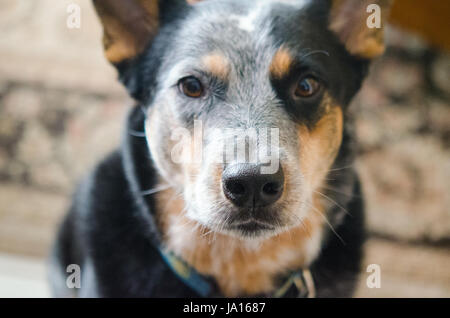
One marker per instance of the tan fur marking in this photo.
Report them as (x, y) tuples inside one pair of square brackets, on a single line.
[(281, 63), (239, 269), (319, 146), (128, 27), (217, 65)]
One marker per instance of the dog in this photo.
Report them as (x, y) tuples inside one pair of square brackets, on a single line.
[(154, 221)]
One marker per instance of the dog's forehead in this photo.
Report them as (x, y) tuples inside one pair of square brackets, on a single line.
[(250, 16), (242, 15), (239, 30)]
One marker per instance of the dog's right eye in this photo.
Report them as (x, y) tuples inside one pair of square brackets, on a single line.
[(191, 87)]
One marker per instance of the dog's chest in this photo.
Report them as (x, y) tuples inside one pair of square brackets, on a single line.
[(239, 267)]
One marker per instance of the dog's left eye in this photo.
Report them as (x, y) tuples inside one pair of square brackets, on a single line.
[(191, 87), (306, 87)]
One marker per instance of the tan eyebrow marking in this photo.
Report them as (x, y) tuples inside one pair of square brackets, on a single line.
[(217, 64), (281, 63)]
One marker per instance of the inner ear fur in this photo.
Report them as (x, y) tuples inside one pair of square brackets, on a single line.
[(128, 26), (348, 20)]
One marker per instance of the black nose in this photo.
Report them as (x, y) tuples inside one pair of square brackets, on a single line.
[(245, 186)]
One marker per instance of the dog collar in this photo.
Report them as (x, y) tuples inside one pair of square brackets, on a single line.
[(187, 274), (299, 284)]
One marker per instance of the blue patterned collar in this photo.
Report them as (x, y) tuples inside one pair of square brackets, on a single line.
[(298, 283)]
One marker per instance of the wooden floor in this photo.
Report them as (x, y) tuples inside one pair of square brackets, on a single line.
[(22, 277)]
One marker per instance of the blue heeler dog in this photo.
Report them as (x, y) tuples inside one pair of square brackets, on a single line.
[(172, 214)]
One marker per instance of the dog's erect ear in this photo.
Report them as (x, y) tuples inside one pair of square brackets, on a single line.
[(359, 25), (128, 26)]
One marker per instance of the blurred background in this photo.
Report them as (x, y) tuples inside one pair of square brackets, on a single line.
[(62, 109)]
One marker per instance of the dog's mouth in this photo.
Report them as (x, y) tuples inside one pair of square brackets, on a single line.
[(251, 227), (252, 223)]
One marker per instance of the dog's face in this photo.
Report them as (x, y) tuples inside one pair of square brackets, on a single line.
[(247, 100)]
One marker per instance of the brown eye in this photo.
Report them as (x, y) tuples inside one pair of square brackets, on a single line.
[(307, 87), (191, 87)]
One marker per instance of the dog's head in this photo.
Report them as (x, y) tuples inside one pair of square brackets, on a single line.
[(246, 100)]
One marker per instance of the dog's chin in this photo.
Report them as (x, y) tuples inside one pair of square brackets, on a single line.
[(249, 227), (251, 230), (248, 224)]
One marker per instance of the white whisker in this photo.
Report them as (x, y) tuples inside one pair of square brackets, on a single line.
[(329, 224), (332, 201), (155, 190)]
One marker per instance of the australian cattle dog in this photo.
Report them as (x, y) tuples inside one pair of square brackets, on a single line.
[(235, 176)]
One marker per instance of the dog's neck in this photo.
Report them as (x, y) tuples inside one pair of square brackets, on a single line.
[(240, 267)]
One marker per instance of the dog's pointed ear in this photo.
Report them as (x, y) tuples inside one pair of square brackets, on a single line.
[(359, 25), (128, 26)]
